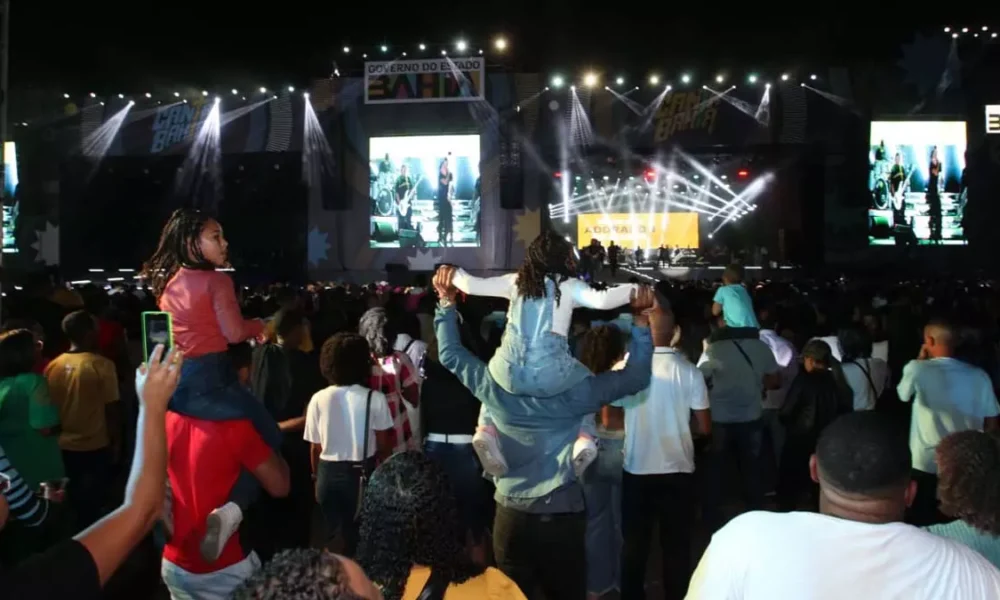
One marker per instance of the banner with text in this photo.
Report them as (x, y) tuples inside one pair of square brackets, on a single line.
[(432, 80), (673, 229)]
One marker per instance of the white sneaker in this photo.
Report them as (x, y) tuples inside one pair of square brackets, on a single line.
[(219, 526), (584, 453), (487, 448)]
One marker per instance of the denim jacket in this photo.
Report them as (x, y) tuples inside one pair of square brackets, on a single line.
[(537, 435)]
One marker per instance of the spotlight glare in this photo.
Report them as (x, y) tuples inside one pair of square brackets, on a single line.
[(572, 88), (177, 94), (813, 77), (148, 95), (803, 84), (423, 46), (954, 36), (767, 86), (235, 91), (985, 28), (654, 79), (384, 48), (500, 44), (102, 102), (965, 30), (347, 50), (93, 95), (784, 76), (947, 29), (993, 35), (590, 79), (66, 96), (557, 81), (719, 78), (752, 78), (217, 99), (291, 89), (204, 92), (131, 102), (620, 81), (121, 96), (685, 78), (263, 90), (364, 55), (461, 45), (404, 55), (669, 87), (305, 95), (444, 53)]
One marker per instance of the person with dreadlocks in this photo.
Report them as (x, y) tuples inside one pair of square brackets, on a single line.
[(412, 541), (183, 276), (534, 358)]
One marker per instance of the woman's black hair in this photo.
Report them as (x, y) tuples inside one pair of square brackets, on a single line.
[(17, 352), (602, 346), (178, 248), (346, 360), (855, 343), (548, 256), (410, 517)]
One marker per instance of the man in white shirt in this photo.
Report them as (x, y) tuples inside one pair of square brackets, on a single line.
[(856, 547), (658, 480), (948, 395)]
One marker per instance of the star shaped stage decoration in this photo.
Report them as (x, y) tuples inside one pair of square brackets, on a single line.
[(423, 261), (318, 244), (527, 226), (47, 245)]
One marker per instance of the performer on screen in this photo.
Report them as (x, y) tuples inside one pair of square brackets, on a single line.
[(404, 197), (444, 207), (477, 205), (897, 175), (933, 197)]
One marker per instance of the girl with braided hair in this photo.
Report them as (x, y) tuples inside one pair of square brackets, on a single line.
[(411, 535), (534, 358), (206, 315)]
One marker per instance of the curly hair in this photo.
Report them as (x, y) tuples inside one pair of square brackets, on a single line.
[(301, 574), (178, 248), (374, 327), (345, 359), (410, 517), (17, 352), (969, 478), (602, 346), (548, 256)]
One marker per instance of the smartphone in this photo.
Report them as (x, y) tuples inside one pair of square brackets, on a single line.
[(157, 328)]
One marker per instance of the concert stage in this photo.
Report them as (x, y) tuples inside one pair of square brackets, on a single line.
[(700, 273)]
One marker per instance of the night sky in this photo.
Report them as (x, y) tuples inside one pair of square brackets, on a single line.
[(109, 47)]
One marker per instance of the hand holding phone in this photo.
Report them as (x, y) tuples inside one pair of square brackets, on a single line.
[(157, 329)]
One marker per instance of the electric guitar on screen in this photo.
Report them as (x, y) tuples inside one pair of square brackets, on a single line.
[(899, 196), (407, 199)]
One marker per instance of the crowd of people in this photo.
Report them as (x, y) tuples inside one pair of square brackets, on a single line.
[(523, 436)]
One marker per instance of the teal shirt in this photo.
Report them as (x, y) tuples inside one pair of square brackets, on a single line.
[(960, 531), (737, 307)]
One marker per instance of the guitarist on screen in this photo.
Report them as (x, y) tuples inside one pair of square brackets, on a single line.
[(898, 182), (404, 197)]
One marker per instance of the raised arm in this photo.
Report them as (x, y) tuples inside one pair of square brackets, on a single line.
[(588, 297), (612, 385), (496, 287), (455, 357), (235, 328)]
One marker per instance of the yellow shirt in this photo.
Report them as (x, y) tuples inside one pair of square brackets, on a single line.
[(491, 585), (81, 384)]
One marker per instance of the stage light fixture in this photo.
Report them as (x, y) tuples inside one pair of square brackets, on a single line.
[(654, 79), (784, 76), (305, 95), (204, 92), (177, 94), (384, 48), (66, 96), (148, 95), (803, 84), (557, 81), (461, 45), (500, 44), (444, 53), (185, 101), (590, 79), (121, 96), (422, 46), (620, 81), (364, 55), (685, 78), (102, 102), (720, 78), (572, 88), (291, 89), (954, 36), (985, 28), (263, 90), (347, 49), (704, 87), (93, 95), (993, 35), (965, 30), (480, 51), (235, 91), (767, 86), (218, 100), (813, 77), (669, 87), (752, 78), (947, 29)]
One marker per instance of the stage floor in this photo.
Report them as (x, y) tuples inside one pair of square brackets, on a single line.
[(698, 273)]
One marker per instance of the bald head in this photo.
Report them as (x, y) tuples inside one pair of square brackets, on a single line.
[(939, 339)]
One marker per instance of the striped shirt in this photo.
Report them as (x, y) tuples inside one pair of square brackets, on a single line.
[(24, 504)]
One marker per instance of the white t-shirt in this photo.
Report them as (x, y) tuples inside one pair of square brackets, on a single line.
[(948, 396), (657, 419), (335, 419), (572, 293), (864, 395), (809, 556)]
